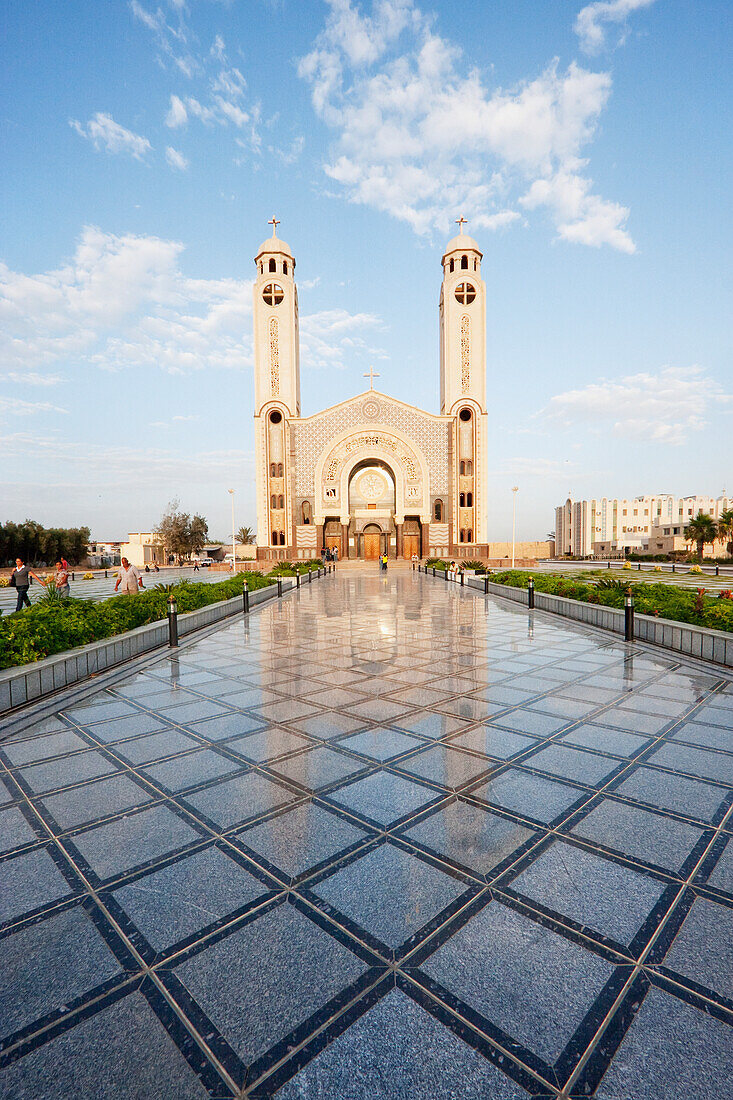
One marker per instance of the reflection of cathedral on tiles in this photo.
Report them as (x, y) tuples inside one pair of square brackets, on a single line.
[(371, 474)]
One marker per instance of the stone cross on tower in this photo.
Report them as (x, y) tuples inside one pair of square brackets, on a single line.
[(460, 222), (274, 223), (371, 374)]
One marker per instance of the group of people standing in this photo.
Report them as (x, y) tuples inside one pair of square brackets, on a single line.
[(329, 553), (20, 580)]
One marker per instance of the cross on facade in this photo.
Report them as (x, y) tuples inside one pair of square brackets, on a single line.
[(460, 222), (371, 374), (274, 223)]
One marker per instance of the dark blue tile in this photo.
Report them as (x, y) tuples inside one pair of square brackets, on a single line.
[(592, 891), (44, 966), (302, 838), (381, 743), (239, 799), (191, 769), (318, 768), (529, 795), (171, 904), (105, 797), (389, 893), (383, 797), (30, 881), (120, 1053), (67, 770), (674, 792), (639, 833), (469, 836), (671, 1050), (131, 841), (398, 1050), (722, 874), (280, 969), (449, 767), (532, 983), (703, 948), (14, 830)]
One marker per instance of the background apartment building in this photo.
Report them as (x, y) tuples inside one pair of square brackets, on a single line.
[(644, 525)]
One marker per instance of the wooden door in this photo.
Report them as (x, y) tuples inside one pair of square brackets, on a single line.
[(334, 542), (410, 546), (371, 545)]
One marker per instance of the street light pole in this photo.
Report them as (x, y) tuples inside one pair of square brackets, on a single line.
[(515, 489), (231, 493)]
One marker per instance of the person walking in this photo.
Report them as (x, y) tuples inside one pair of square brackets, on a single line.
[(20, 580), (61, 579), (130, 578), (384, 563), (195, 566)]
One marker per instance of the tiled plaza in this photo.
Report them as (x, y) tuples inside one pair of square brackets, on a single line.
[(387, 838)]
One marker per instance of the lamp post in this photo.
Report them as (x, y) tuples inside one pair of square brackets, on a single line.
[(231, 493), (515, 490)]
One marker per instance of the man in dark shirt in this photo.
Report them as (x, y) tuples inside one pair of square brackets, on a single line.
[(21, 579)]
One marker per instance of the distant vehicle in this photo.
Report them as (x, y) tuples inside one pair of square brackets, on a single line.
[(206, 561)]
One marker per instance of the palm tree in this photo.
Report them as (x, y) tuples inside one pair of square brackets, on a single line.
[(246, 536), (700, 530), (725, 529)]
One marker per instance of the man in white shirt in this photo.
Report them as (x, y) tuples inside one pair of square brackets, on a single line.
[(129, 577)]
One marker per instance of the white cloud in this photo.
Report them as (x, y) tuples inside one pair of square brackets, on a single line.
[(16, 407), (108, 135), (661, 408), (175, 159), (177, 115), (589, 24), (333, 337), (422, 137), (30, 378)]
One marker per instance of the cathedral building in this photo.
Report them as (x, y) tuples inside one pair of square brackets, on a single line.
[(372, 474)]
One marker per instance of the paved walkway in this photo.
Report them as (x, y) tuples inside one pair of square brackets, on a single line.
[(385, 839)]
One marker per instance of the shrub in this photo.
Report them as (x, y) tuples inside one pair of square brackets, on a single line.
[(477, 566)]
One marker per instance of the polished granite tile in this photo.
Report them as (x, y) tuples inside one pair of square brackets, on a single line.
[(378, 710), (389, 893), (722, 874), (709, 736), (317, 768), (583, 767), (617, 742), (236, 800), (532, 722), (702, 763), (495, 742), (380, 743), (383, 797), (431, 725), (196, 711), (703, 948), (467, 835), (671, 1051), (134, 725), (334, 698), (281, 968), (634, 721), (65, 771), (145, 749), (14, 830), (267, 744), (447, 766), (639, 833), (472, 710), (327, 726), (133, 840), (40, 748), (529, 795), (95, 800), (719, 713), (120, 1053), (172, 904), (674, 792), (226, 726), (594, 892), (99, 709), (287, 710), (398, 1050), (30, 880), (46, 966), (191, 769), (535, 985), (301, 838)]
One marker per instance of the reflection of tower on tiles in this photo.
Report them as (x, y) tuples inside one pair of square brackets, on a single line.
[(371, 474)]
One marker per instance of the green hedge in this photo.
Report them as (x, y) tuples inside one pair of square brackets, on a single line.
[(50, 627), (664, 601)]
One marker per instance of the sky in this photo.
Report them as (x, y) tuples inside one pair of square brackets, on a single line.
[(145, 144)]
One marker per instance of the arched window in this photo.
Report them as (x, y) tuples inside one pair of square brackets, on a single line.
[(438, 511), (475, 265), (273, 501), (451, 265), (464, 263), (281, 501), (306, 511), (274, 538), (461, 500), (273, 265), (262, 268), (285, 267), (469, 535), (469, 468), (279, 469), (273, 470), (461, 535), (282, 538), (469, 500)]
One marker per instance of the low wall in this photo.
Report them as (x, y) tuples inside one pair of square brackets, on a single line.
[(29, 683), (693, 641)]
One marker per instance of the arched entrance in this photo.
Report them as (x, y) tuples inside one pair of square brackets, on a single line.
[(372, 541), (371, 502), (411, 538)]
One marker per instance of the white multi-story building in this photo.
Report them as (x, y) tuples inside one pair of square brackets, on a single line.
[(649, 524)]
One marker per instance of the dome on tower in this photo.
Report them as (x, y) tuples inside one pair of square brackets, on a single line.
[(274, 244), (462, 243)]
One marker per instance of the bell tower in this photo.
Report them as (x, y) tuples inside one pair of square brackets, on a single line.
[(463, 383), (277, 386)]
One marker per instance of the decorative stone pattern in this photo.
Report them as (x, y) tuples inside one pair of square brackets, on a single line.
[(465, 353), (305, 535), (371, 410), (311, 436), (274, 357)]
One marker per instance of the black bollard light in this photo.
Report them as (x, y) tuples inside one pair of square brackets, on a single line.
[(245, 599), (445, 574), (433, 570), (105, 574), (486, 584), (172, 621), (638, 568), (310, 576), (530, 594), (462, 579), (279, 587), (673, 567), (717, 570), (297, 580), (629, 616)]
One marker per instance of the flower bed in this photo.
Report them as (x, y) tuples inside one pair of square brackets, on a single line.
[(664, 601), (55, 625)]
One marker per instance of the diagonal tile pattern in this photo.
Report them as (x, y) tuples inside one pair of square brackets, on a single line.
[(386, 837)]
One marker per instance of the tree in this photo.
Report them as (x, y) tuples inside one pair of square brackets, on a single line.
[(197, 534), (246, 536), (700, 530), (180, 534), (725, 529)]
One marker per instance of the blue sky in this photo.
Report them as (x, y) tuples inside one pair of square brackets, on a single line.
[(144, 146)]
